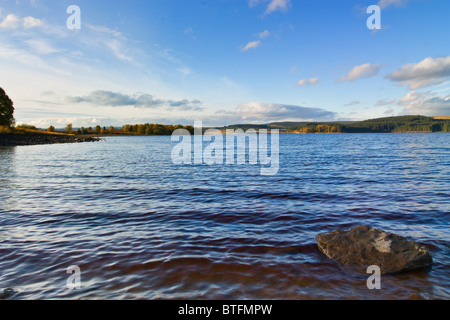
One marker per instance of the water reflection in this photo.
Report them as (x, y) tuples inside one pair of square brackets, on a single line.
[(7, 160)]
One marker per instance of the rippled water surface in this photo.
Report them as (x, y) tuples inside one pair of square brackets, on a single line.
[(140, 227)]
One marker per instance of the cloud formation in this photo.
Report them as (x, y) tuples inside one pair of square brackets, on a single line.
[(30, 22), (426, 73), (363, 71), (269, 112), (264, 34), (307, 82), (387, 3), (251, 45), (113, 40), (422, 103), (41, 46), (353, 103), (385, 102), (190, 32), (143, 100), (273, 5), (14, 22)]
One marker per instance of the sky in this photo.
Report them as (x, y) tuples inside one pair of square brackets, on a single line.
[(223, 61)]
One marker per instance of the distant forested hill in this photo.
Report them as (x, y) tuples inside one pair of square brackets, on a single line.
[(382, 125), (391, 124)]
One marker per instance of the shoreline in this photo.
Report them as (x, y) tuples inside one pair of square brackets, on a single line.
[(32, 139)]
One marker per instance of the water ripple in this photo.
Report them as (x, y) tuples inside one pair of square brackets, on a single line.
[(142, 228)]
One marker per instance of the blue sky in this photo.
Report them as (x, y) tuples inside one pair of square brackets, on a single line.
[(223, 61)]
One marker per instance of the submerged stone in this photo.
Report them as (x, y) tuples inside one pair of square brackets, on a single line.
[(7, 293), (364, 246)]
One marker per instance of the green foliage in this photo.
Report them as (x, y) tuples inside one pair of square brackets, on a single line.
[(446, 127), (69, 128), (319, 128), (27, 126), (152, 129), (382, 125), (6, 129), (141, 129), (51, 129), (6, 110)]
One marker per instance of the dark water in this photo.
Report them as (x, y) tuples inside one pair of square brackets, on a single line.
[(140, 227)]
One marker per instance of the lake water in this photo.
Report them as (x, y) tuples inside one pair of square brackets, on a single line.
[(140, 227)]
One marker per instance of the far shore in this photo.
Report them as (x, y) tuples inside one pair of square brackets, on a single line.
[(33, 138)]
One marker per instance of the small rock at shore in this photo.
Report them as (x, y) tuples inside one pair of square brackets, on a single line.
[(364, 246)]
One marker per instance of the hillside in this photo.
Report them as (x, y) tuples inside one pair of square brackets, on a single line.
[(381, 125)]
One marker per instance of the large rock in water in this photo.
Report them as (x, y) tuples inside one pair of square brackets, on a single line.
[(364, 246)]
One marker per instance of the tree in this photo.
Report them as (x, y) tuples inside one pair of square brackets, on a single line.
[(69, 128), (51, 129), (26, 126), (446, 127), (141, 129), (6, 110)]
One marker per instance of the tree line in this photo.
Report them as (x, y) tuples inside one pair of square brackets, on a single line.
[(148, 129), (381, 125)]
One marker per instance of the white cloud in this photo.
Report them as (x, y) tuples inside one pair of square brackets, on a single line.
[(14, 22), (106, 30), (423, 103), (273, 5), (363, 71), (307, 82), (41, 46), (426, 73), (118, 49), (30, 22), (278, 5), (28, 60), (10, 22), (114, 41), (251, 45), (387, 3), (264, 34), (412, 96)]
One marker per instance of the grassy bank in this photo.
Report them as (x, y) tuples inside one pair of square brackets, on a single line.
[(24, 137)]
